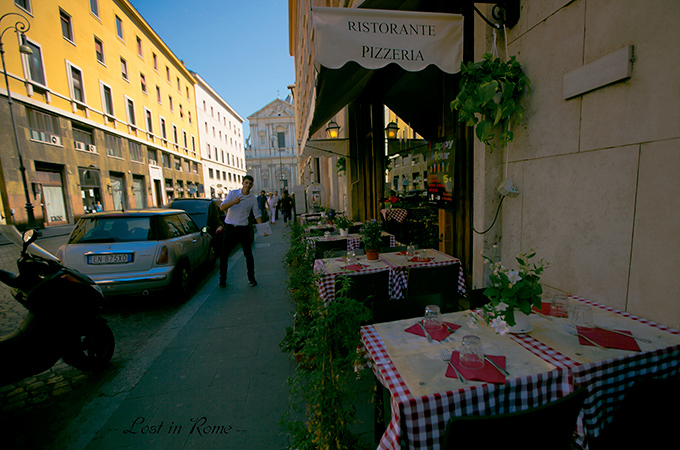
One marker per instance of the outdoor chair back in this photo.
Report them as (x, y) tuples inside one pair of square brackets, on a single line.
[(321, 247), (550, 426)]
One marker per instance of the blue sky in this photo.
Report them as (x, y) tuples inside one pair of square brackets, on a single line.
[(240, 48)]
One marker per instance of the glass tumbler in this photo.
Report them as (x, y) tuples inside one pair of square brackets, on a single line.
[(471, 352), (410, 250), (433, 319), (582, 316), (351, 257), (560, 306)]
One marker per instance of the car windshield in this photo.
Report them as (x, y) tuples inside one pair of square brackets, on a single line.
[(191, 207), (111, 229)]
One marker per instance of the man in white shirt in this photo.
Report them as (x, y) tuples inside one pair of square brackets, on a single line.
[(238, 204)]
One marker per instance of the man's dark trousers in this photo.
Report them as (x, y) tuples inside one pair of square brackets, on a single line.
[(237, 234)]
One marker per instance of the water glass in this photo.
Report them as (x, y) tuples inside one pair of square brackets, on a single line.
[(351, 257), (471, 352), (433, 318), (560, 306), (582, 316), (326, 235), (410, 250)]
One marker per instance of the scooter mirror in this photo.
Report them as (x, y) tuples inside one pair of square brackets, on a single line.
[(29, 236)]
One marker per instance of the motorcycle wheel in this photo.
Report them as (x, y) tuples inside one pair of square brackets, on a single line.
[(92, 349)]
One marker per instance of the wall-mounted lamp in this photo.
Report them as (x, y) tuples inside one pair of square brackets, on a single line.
[(333, 129), (391, 130)]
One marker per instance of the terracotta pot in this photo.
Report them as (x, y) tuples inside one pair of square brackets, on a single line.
[(372, 254)]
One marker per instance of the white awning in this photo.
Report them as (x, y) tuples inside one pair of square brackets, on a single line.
[(374, 38)]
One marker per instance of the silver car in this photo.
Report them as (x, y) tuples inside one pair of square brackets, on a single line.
[(138, 251)]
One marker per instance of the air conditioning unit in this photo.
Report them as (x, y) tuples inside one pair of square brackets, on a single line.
[(56, 140), (92, 148), (79, 145)]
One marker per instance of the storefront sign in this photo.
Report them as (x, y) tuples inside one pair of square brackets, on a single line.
[(440, 170), (375, 38)]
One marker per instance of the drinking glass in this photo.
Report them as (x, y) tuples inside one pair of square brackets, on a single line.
[(410, 250), (433, 318), (351, 257), (583, 317), (326, 235), (471, 352), (560, 306)]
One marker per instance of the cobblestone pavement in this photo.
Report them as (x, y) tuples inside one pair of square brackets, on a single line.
[(34, 409)]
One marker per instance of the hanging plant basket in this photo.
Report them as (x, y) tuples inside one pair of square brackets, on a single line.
[(489, 98)]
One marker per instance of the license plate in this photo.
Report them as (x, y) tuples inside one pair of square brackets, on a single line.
[(110, 258)]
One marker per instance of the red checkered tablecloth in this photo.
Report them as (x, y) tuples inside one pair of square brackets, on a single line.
[(397, 214), (399, 272), (419, 422)]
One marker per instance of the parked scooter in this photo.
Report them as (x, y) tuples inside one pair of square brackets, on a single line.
[(62, 320)]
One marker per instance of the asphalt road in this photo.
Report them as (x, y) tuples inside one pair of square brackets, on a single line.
[(34, 409)]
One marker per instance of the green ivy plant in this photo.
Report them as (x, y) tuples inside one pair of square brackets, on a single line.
[(489, 97), (325, 337), (341, 166)]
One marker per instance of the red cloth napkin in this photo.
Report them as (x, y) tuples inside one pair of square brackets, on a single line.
[(353, 267), (487, 374), (420, 259), (608, 339), (437, 335)]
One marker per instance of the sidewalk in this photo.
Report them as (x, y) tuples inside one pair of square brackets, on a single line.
[(213, 377)]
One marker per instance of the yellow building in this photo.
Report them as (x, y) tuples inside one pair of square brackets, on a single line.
[(105, 112)]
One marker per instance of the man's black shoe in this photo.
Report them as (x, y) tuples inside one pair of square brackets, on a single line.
[(223, 284), (253, 283)]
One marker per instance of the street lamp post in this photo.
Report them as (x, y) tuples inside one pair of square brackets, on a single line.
[(20, 26)]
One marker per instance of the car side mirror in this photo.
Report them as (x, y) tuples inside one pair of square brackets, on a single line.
[(205, 230)]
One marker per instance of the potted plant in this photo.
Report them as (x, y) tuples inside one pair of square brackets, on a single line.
[(371, 237), (342, 223), (513, 293), (489, 96)]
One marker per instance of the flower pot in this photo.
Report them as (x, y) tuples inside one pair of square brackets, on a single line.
[(372, 255), (522, 324), (344, 231)]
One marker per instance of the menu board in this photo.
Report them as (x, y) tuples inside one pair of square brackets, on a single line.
[(440, 170)]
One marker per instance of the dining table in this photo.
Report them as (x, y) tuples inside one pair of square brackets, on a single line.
[(544, 363), (398, 214), (396, 263)]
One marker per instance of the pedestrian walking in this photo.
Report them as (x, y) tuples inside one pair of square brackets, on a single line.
[(277, 199), (271, 204), (238, 204), (262, 204), (286, 207)]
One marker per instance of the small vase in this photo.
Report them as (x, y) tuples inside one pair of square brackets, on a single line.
[(343, 232), (522, 324), (372, 255)]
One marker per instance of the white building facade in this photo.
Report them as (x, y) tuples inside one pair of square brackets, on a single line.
[(220, 130), (271, 156)]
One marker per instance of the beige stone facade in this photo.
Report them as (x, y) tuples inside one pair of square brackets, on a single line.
[(597, 172)]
